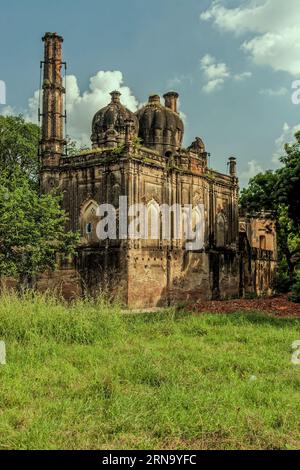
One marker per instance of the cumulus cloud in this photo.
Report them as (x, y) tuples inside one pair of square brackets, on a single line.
[(253, 168), (213, 70), (177, 81), (7, 111), (286, 137), (81, 106), (214, 73), (282, 91), (274, 25), (213, 85), (242, 76)]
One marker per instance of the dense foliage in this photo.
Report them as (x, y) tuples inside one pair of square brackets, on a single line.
[(19, 146), (277, 192), (32, 226), (289, 181)]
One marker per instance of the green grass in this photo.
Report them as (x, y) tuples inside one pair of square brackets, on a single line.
[(87, 377)]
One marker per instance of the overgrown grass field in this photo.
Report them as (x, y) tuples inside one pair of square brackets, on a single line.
[(86, 376)]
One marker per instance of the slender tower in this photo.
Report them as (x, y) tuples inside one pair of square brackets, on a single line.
[(52, 141)]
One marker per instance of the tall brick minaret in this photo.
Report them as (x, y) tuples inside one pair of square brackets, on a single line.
[(52, 141)]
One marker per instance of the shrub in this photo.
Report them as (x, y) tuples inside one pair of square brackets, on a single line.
[(295, 291), (282, 282)]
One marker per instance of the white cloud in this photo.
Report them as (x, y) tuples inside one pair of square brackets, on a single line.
[(274, 24), (214, 73), (7, 111), (213, 85), (274, 92), (81, 107), (173, 82), (287, 136), (213, 70), (242, 76), (253, 169), (179, 80)]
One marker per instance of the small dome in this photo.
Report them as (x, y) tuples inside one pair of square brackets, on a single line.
[(112, 118), (160, 127)]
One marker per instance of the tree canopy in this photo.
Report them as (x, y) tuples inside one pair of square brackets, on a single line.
[(19, 142), (278, 193), (32, 226), (288, 187)]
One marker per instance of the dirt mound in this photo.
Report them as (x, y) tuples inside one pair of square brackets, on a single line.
[(278, 305)]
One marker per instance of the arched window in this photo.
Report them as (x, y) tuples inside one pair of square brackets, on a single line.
[(153, 222), (196, 218), (184, 226), (89, 220), (221, 231), (193, 228)]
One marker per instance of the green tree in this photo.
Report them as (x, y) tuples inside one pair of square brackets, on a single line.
[(259, 195), (288, 237), (277, 193), (32, 226), (19, 141), (73, 148), (288, 192), (32, 229)]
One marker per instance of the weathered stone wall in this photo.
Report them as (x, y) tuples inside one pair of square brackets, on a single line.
[(146, 272), (258, 247), (147, 277), (229, 275), (103, 270), (62, 282), (153, 272), (157, 272), (189, 276)]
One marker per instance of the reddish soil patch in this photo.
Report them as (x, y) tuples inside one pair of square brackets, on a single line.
[(278, 305)]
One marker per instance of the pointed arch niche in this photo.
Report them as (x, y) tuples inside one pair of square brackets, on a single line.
[(221, 230), (88, 221), (153, 223)]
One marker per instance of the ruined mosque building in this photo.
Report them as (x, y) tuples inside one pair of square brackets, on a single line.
[(140, 155)]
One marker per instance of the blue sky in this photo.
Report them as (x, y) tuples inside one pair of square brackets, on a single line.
[(233, 63)]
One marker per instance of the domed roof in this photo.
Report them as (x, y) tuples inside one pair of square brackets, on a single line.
[(161, 127), (112, 117)]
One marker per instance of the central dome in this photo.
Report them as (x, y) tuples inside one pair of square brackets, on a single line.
[(109, 124), (160, 127)]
